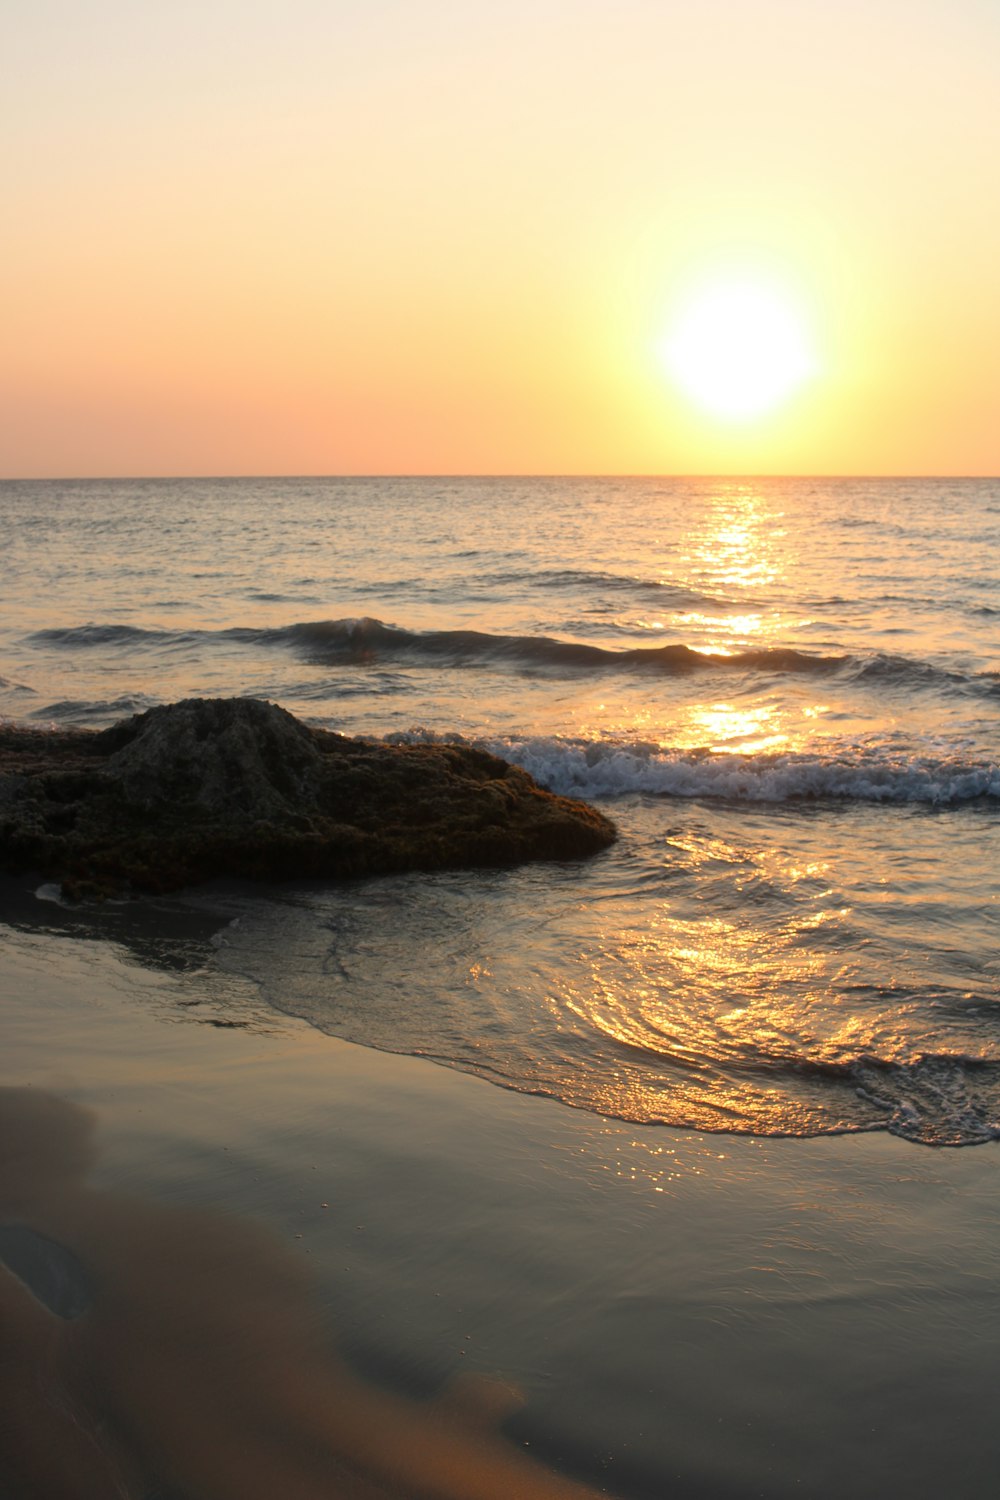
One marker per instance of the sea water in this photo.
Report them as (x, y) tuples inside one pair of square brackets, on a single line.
[(785, 692)]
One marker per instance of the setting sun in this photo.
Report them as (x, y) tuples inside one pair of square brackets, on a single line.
[(738, 348)]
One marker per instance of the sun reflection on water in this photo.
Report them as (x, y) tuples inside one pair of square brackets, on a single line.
[(738, 545), (713, 1009), (736, 552), (726, 729), (737, 565), (745, 627)]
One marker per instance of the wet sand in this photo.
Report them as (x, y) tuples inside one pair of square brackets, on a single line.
[(457, 1275)]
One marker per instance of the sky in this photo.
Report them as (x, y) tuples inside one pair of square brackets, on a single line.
[(450, 236)]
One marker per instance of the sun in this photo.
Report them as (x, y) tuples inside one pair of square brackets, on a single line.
[(738, 347)]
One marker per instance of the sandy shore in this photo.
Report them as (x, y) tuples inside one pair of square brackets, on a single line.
[(682, 1314)]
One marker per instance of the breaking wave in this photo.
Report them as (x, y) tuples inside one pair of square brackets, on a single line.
[(589, 769)]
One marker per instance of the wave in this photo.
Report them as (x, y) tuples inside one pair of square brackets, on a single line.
[(331, 640), (367, 641), (594, 580), (573, 1028), (684, 596), (97, 711), (262, 597), (938, 1099), (86, 636), (888, 671), (603, 769), (885, 670)]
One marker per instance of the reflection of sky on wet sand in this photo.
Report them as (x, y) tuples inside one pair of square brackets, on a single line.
[(644, 1285), (198, 1356)]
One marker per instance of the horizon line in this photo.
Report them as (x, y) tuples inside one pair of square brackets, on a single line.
[(483, 474)]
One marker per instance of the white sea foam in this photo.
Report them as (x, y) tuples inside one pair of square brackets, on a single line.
[(611, 770), (50, 891), (588, 768)]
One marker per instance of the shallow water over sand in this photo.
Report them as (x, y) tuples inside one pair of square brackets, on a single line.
[(682, 1314)]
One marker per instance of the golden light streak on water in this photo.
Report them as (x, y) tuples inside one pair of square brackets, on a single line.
[(738, 546), (726, 729), (702, 1009)]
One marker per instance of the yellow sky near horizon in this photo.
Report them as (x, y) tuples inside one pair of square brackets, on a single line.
[(445, 238)]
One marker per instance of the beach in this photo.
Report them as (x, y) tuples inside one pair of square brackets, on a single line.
[(666, 1171), (684, 1314), (500, 752)]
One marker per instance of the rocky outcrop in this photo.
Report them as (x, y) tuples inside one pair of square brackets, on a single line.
[(235, 786)]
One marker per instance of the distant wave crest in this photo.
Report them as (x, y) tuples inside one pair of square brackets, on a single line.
[(331, 639), (368, 641), (84, 636), (666, 591)]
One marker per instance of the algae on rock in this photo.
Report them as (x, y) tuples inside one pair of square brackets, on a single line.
[(236, 786)]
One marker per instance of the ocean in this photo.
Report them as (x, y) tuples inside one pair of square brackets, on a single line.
[(649, 1142), (786, 692)]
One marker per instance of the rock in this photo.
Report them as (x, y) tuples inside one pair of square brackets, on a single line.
[(235, 786)]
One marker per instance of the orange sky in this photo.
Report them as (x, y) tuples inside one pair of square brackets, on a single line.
[(337, 237)]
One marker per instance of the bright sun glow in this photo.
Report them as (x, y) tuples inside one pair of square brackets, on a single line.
[(738, 348)]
